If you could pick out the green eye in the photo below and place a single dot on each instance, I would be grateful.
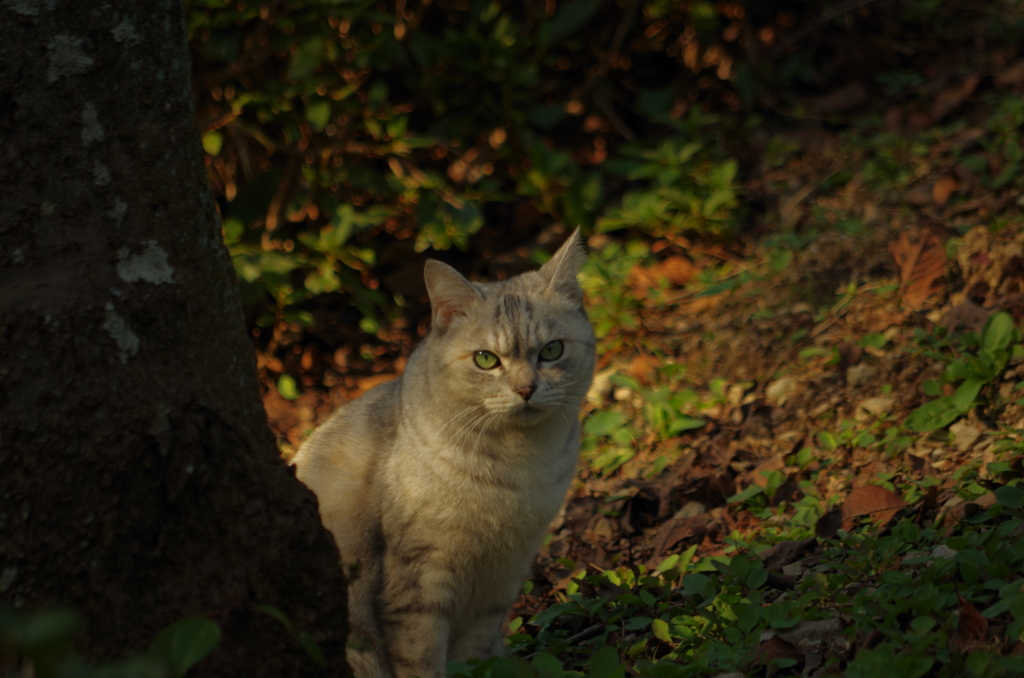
(553, 351)
(486, 360)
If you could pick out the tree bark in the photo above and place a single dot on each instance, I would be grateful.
(139, 482)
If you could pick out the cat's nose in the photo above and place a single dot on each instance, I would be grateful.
(525, 391)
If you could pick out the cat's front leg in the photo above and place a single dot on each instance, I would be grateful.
(416, 611)
(483, 637)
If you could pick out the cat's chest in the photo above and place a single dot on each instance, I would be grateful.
(497, 489)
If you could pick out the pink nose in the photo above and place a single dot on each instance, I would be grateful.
(525, 391)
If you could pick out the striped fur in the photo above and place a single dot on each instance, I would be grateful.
(438, 487)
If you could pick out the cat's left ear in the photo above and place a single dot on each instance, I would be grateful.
(450, 294)
(560, 271)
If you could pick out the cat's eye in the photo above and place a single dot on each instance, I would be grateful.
(553, 350)
(486, 360)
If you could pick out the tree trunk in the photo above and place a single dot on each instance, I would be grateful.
(139, 482)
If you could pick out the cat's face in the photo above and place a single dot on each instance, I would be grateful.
(521, 357)
(515, 353)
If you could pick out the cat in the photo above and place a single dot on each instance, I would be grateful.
(439, 486)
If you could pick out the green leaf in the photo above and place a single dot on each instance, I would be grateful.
(277, 614)
(182, 644)
(966, 393)
(922, 624)
(570, 17)
(605, 664)
(547, 666)
(943, 411)
(545, 117)
(312, 648)
(864, 439)
(684, 424)
(686, 557)
(876, 341)
(604, 423)
(827, 440)
(654, 103)
(721, 177)
(286, 387)
(721, 198)
(1011, 497)
(369, 325)
(751, 491)
(318, 114)
(212, 142)
(999, 332)
(626, 381)
(306, 59)
(660, 629)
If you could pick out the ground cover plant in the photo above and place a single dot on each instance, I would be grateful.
(803, 449)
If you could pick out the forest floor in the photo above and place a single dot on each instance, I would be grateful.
(802, 444)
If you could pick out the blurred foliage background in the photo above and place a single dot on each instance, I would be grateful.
(347, 140)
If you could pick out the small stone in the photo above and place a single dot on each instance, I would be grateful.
(781, 390)
(811, 635)
(873, 408)
(1007, 389)
(793, 569)
(599, 387)
(944, 552)
(964, 435)
(858, 375)
(691, 509)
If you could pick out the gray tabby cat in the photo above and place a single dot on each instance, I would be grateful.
(438, 487)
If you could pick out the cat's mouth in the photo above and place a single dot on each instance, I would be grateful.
(528, 410)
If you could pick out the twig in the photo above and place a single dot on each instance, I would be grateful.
(613, 117)
(837, 10)
(588, 632)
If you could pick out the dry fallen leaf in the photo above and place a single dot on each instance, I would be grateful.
(943, 188)
(676, 270)
(776, 648)
(676, 530)
(366, 383)
(921, 264)
(1012, 75)
(966, 316)
(786, 552)
(757, 475)
(644, 367)
(972, 627)
(843, 99)
(952, 97)
(878, 502)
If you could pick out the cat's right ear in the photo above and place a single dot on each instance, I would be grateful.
(450, 293)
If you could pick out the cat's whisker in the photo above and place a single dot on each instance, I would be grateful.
(483, 429)
(443, 430)
(464, 431)
(480, 423)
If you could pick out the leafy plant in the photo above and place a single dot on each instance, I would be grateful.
(973, 372)
(687, 191)
(43, 640)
